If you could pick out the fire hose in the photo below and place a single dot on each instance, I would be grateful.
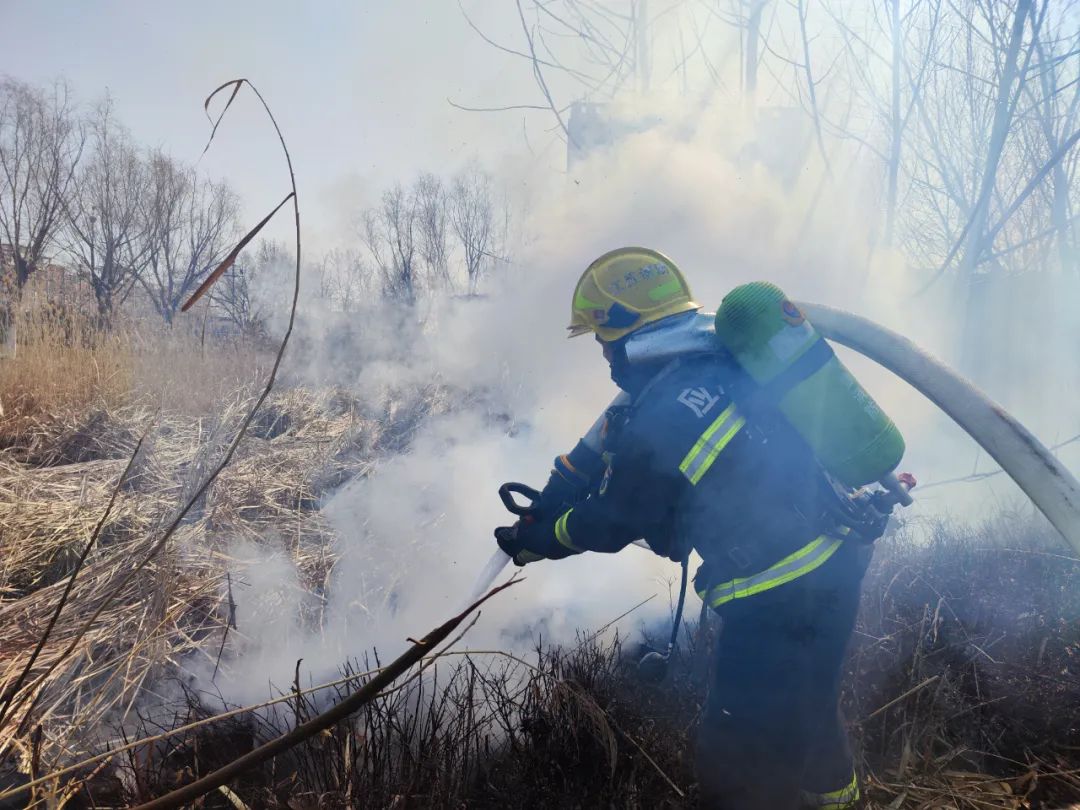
(1044, 479)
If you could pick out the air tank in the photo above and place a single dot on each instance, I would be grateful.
(798, 372)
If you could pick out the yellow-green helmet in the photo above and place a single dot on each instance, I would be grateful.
(624, 290)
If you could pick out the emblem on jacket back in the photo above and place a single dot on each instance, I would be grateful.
(699, 400)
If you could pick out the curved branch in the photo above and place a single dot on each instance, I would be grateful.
(575, 73)
(539, 74)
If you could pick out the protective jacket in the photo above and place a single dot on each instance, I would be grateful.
(682, 466)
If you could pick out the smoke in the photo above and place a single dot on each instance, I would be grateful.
(415, 533)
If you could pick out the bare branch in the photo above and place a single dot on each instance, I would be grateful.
(539, 74)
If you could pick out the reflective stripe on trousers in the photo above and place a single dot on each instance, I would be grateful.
(846, 797)
(793, 566)
(711, 443)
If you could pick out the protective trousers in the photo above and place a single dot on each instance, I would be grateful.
(772, 735)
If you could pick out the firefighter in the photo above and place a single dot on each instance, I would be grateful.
(675, 462)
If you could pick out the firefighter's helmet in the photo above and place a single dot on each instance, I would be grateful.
(626, 289)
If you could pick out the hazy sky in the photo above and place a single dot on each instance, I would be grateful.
(359, 88)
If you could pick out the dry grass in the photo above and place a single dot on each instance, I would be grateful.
(67, 369)
(170, 612)
(962, 685)
(555, 728)
(576, 727)
(46, 514)
(964, 680)
(62, 361)
(185, 372)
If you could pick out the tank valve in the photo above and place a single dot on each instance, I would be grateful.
(899, 487)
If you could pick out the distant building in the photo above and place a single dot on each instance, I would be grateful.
(50, 285)
(53, 281)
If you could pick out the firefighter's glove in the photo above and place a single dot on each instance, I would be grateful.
(530, 540)
(572, 476)
(511, 541)
(856, 511)
(561, 492)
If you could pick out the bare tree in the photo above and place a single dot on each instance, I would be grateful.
(611, 44)
(811, 83)
(105, 223)
(934, 86)
(234, 295)
(472, 216)
(191, 227)
(751, 49)
(970, 108)
(41, 142)
(390, 234)
(429, 199)
(1057, 110)
(344, 279)
(1012, 73)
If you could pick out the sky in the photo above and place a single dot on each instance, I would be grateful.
(360, 89)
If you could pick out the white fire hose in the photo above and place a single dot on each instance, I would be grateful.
(1052, 488)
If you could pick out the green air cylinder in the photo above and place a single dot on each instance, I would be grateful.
(797, 370)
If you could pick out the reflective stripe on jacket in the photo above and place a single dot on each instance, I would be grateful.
(711, 444)
(806, 559)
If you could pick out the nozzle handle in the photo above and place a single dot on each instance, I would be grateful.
(506, 495)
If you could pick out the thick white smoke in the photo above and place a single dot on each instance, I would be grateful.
(414, 534)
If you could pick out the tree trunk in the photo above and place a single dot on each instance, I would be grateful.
(642, 36)
(23, 269)
(753, 34)
(1003, 108)
(104, 307)
(1059, 207)
(972, 348)
(893, 168)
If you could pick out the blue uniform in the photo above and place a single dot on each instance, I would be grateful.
(682, 466)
